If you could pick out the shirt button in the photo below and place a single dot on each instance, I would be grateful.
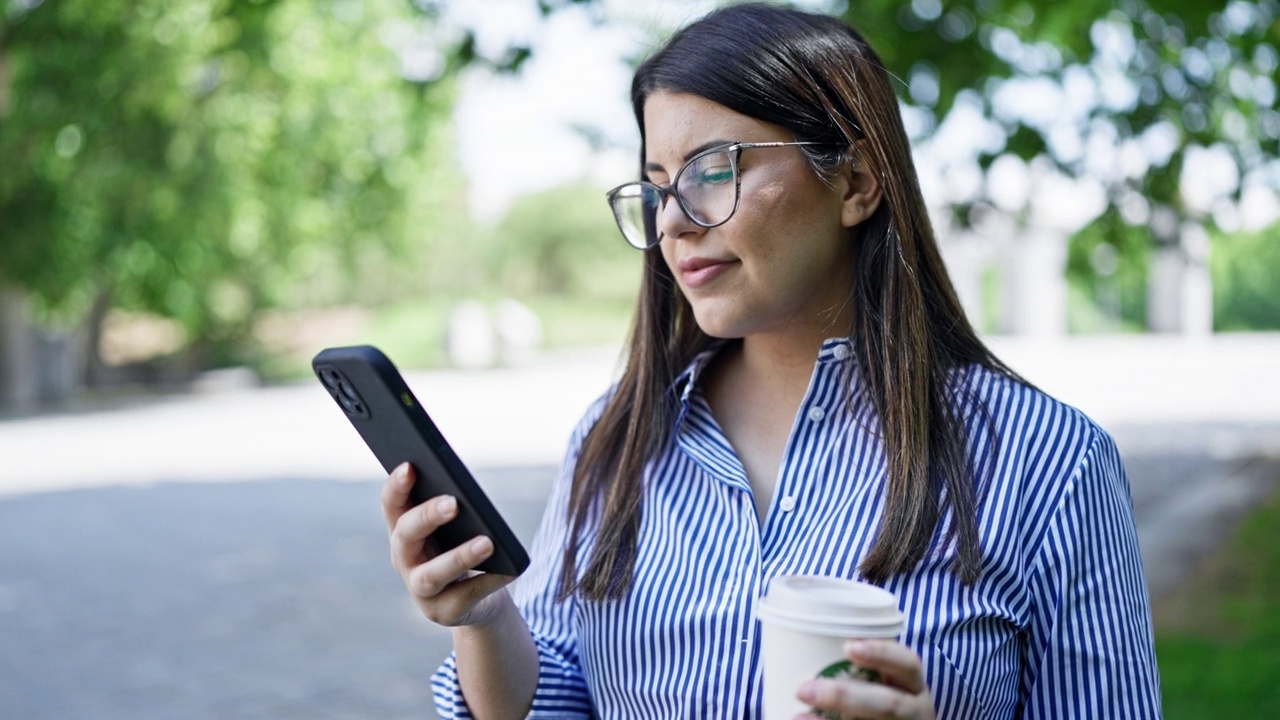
(840, 351)
(817, 414)
(788, 504)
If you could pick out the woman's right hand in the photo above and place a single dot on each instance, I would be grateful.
(444, 585)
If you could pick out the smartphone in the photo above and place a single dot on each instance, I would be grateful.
(379, 404)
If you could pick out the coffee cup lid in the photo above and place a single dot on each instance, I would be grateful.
(831, 606)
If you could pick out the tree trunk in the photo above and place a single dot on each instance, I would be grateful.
(95, 370)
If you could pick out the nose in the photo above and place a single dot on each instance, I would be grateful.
(672, 219)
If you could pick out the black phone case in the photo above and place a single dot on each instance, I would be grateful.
(375, 398)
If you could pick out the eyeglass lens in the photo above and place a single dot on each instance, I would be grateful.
(636, 208)
(706, 189)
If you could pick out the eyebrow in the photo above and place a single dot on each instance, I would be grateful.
(655, 167)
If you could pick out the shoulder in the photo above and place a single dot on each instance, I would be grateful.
(1024, 417)
(1043, 467)
(1029, 445)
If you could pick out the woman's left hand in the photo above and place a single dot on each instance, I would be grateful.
(900, 694)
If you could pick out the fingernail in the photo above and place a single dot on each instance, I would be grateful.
(481, 546)
(447, 505)
(855, 647)
(807, 693)
(402, 473)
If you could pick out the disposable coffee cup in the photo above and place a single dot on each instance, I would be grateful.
(805, 622)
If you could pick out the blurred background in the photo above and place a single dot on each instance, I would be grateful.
(196, 196)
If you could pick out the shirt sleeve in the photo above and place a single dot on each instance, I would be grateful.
(1090, 650)
(562, 689)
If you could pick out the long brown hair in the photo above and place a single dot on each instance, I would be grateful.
(817, 77)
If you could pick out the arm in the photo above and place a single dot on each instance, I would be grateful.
(1090, 651)
(497, 664)
(535, 631)
(526, 661)
(498, 661)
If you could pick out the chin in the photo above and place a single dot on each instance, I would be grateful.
(723, 326)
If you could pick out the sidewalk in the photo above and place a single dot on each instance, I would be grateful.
(1219, 395)
(511, 417)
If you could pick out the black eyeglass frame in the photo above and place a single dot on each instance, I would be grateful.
(733, 150)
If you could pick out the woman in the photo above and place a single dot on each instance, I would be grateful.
(802, 395)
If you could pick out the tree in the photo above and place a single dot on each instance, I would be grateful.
(1177, 94)
(200, 159)
(1173, 76)
(563, 241)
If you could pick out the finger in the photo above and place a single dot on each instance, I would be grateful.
(898, 664)
(395, 494)
(414, 526)
(860, 699)
(456, 604)
(432, 577)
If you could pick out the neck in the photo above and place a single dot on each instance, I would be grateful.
(783, 360)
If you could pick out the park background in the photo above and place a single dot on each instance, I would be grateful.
(198, 195)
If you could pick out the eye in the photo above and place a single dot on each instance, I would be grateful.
(712, 169)
(717, 176)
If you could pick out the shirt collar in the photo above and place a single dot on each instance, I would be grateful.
(834, 350)
(688, 380)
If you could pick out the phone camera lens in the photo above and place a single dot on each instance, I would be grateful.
(330, 377)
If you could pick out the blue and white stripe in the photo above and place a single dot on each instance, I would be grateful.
(1058, 626)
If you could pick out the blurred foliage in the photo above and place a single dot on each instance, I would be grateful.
(1165, 80)
(563, 241)
(205, 159)
(1107, 267)
(1199, 72)
(1246, 282)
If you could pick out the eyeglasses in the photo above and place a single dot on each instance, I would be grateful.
(707, 188)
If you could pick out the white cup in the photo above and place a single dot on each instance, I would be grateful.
(805, 621)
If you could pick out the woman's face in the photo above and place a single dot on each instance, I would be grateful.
(784, 260)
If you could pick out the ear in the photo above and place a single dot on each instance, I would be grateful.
(861, 190)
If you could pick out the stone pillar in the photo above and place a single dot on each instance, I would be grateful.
(19, 385)
(1162, 288)
(966, 258)
(60, 364)
(1035, 283)
(471, 340)
(1196, 307)
(1180, 286)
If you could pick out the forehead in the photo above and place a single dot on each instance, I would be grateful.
(677, 124)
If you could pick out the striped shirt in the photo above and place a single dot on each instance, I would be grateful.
(1058, 625)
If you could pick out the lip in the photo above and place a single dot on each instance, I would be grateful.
(698, 271)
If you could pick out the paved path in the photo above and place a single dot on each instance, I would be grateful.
(222, 555)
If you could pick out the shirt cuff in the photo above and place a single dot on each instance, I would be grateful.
(561, 695)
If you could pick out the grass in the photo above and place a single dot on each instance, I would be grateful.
(1218, 637)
